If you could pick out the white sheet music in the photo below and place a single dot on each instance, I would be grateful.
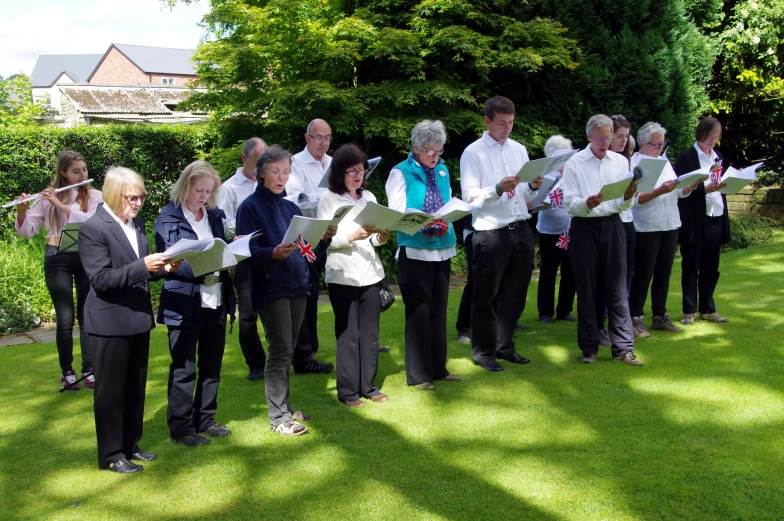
(533, 169)
(653, 166)
(210, 255)
(310, 229)
(736, 180)
(383, 218)
(692, 177)
(615, 190)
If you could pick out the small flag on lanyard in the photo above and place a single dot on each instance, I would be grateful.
(556, 198)
(563, 240)
(305, 249)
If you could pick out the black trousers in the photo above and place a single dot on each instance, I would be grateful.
(503, 262)
(601, 300)
(424, 287)
(598, 255)
(357, 314)
(187, 413)
(62, 272)
(700, 269)
(307, 340)
(464, 311)
(655, 253)
(120, 367)
(552, 258)
(250, 342)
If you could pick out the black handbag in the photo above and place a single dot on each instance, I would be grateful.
(387, 297)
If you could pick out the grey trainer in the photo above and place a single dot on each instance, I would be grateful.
(689, 319)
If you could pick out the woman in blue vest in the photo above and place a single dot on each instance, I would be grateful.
(194, 308)
(421, 182)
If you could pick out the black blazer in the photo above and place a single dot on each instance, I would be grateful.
(692, 208)
(118, 303)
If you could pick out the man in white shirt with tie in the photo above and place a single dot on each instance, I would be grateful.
(503, 248)
(230, 196)
(597, 244)
(307, 171)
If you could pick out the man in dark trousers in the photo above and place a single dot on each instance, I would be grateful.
(597, 241)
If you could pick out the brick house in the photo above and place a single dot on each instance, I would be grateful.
(124, 64)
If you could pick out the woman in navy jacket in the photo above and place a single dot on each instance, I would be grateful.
(194, 308)
(118, 317)
(280, 280)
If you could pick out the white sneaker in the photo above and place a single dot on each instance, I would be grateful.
(290, 428)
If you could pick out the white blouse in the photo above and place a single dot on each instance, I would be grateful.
(660, 214)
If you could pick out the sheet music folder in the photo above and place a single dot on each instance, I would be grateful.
(69, 239)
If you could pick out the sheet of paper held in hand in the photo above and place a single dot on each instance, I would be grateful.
(537, 203)
(383, 218)
(210, 255)
(456, 209)
(615, 190)
(653, 166)
(372, 164)
(692, 177)
(533, 169)
(312, 229)
(736, 180)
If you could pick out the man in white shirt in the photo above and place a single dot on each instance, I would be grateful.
(307, 170)
(597, 244)
(230, 196)
(503, 248)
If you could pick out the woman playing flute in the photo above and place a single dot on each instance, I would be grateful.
(63, 270)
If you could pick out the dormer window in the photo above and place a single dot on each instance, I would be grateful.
(167, 81)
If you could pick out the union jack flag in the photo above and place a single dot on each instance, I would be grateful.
(715, 173)
(305, 249)
(509, 195)
(556, 198)
(563, 240)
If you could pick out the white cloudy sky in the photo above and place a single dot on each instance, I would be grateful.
(32, 27)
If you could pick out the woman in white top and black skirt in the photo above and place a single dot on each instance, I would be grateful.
(64, 270)
(353, 274)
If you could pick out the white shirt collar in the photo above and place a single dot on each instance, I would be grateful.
(713, 155)
(129, 224)
(490, 141)
(310, 159)
(191, 217)
(241, 177)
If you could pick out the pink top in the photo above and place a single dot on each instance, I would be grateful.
(39, 214)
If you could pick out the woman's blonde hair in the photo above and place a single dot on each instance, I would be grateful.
(64, 161)
(117, 183)
(196, 170)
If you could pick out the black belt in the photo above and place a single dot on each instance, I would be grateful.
(598, 218)
(516, 224)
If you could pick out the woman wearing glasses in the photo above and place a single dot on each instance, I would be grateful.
(194, 308)
(63, 270)
(118, 316)
(706, 225)
(656, 222)
(353, 273)
(421, 182)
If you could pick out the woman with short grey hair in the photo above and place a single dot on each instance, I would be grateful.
(422, 182)
(656, 223)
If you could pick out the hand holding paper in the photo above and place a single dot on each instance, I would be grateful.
(736, 180)
(615, 190)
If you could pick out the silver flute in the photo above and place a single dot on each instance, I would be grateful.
(38, 196)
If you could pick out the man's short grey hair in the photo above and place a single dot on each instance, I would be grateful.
(271, 154)
(312, 124)
(649, 130)
(596, 122)
(251, 144)
(557, 142)
(428, 132)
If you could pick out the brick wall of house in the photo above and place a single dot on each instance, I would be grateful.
(116, 69)
(179, 80)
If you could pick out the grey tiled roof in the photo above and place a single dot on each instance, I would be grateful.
(160, 60)
(49, 67)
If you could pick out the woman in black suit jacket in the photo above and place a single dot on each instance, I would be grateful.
(705, 225)
(118, 317)
(194, 308)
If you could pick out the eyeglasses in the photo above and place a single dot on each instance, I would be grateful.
(607, 140)
(431, 153)
(713, 138)
(657, 146)
(280, 172)
(133, 199)
(355, 173)
(322, 139)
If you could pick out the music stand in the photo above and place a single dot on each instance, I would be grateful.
(69, 239)
(84, 376)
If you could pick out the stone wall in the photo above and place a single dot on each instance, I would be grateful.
(768, 202)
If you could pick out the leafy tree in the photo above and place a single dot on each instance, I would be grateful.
(16, 101)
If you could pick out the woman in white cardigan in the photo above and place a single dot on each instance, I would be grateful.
(353, 275)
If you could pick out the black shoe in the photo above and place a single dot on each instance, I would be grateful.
(489, 365)
(566, 318)
(312, 365)
(384, 349)
(547, 320)
(123, 466)
(515, 358)
(143, 456)
(192, 440)
(521, 326)
(217, 430)
(256, 373)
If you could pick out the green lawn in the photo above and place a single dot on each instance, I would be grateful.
(697, 433)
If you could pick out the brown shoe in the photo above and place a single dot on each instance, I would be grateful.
(688, 319)
(712, 317)
(379, 398)
(639, 328)
(358, 403)
(628, 358)
(665, 324)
